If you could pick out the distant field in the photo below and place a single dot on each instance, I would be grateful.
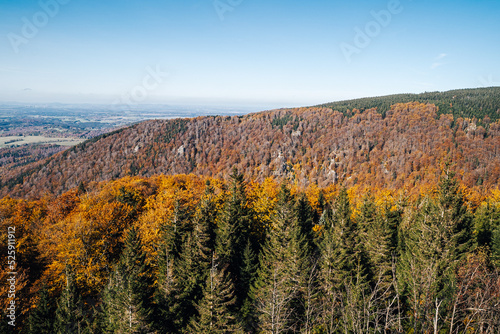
(10, 141)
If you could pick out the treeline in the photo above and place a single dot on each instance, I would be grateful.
(406, 148)
(12, 157)
(480, 103)
(186, 254)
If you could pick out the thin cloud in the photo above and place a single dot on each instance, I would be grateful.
(441, 56)
(437, 62)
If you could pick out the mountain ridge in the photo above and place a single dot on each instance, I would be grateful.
(401, 147)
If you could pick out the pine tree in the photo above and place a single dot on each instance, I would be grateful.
(215, 316)
(180, 275)
(204, 230)
(376, 236)
(69, 313)
(188, 289)
(305, 216)
(436, 235)
(127, 297)
(281, 271)
(342, 236)
(495, 245)
(233, 231)
(166, 282)
(194, 260)
(247, 277)
(487, 230)
(41, 318)
(344, 266)
(5, 328)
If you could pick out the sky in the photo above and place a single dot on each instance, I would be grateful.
(243, 52)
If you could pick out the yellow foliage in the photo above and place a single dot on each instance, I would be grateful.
(262, 198)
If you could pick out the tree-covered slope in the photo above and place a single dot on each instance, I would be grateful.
(478, 102)
(405, 146)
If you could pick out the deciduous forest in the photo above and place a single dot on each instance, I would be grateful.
(403, 145)
(192, 254)
(363, 216)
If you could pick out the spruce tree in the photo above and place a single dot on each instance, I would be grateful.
(204, 227)
(376, 237)
(233, 231)
(41, 318)
(344, 266)
(487, 230)
(343, 239)
(69, 313)
(305, 216)
(495, 245)
(215, 315)
(127, 297)
(436, 235)
(188, 289)
(281, 272)
(247, 277)
(166, 282)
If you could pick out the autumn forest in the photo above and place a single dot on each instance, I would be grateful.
(368, 216)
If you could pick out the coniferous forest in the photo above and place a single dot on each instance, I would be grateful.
(194, 254)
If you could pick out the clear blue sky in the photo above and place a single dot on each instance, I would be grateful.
(262, 52)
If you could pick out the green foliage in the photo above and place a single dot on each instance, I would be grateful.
(233, 232)
(417, 266)
(127, 297)
(283, 264)
(69, 313)
(41, 319)
(279, 122)
(344, 268)
(479, 102)
(487, 230)
(436, 237)
(215, 308)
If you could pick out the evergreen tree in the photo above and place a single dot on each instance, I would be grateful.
(436, 236)
(281, 272)
(233, 231)
(305, 216)
(247, 277)
(194, 261)
(487, 230)
(376, 236)
(495, 244)
(81, 188)
(204, 227)
(5, 328)
(41, 318)
(69, 313)
(344, 266)
(166, 281)
(188, 289)
(343, 238)
(127, 297)
(214, 308)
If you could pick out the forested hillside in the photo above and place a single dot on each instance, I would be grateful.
(406, 146)
(190, 254)
(466, 103)
(321, 220)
